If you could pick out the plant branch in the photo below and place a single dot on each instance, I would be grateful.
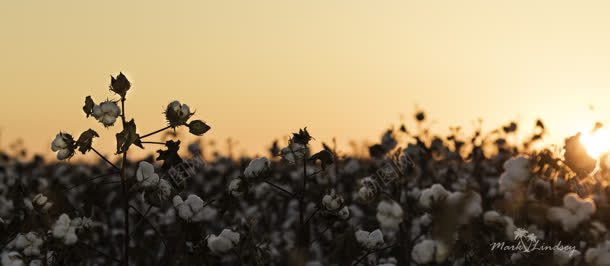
(100, 252)
(153, 142)
(89, 180)
(281, 189)
(105, 159)
(371, 252)
(155, 132)
(151, 225)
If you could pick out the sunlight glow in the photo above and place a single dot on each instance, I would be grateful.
(596, 142)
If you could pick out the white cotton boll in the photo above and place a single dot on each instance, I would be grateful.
(58, 143)
(257, 167)
(229, 234)
(389, 214)
(332, 201)
(63, 154)
(429, 250)
(492, 217)
(516, 174)
(165, 188)
(206, 213)
(36, 263)
(366, 193)
(39, 199)
(146, 176)
(195, 202)
(223, 242)
(599, 255)
(70, 237)
(61, 226)
(431, 195)
(294, 152)
(370, 240)
(471, 203)
(234, 188)
(343, 213)
(423, 252)
(564, 257)
(575, 210)
(12, 259)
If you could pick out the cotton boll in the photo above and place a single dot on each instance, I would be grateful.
(235, 188)
(389, 214)
(257, 167)
(434, 194)
(370, 240)
(599, 255)
(223, 242)
(294, 152)
(493, 218)
(516, 174)
(575, 210)
(63, 229)
(423, 252)
(12, 258)
(146, 176)
(332, 201)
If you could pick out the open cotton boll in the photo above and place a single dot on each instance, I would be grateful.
(370, 240)
(493, 218)
(63, 229)
(294, 152)
(575, 210)
(12, 258)
(516, 174)
(224, 242)
(257, 167)
(434, 194)
(332, 201)
(146, 176)
(471, 203)
(428, 251)
(389, 214)
(106, 113)
(599, 255)
(193, 209)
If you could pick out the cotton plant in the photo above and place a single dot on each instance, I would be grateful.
(224, 242)
(109, 113)
(193, 209)
(575, 211)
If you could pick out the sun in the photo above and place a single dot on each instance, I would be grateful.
(596, 142)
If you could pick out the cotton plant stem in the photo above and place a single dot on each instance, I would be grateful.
(125, 195)
(90, 179)
(292, 195)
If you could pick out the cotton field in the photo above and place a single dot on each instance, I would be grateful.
(416, 198)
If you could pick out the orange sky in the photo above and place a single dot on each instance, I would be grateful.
(257, 70)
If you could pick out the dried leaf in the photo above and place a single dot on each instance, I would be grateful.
(88, 107)
(127, 137)
(85, 140)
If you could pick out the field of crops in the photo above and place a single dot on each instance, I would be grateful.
(416, 198)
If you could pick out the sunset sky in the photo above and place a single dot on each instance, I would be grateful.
(258, 70)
